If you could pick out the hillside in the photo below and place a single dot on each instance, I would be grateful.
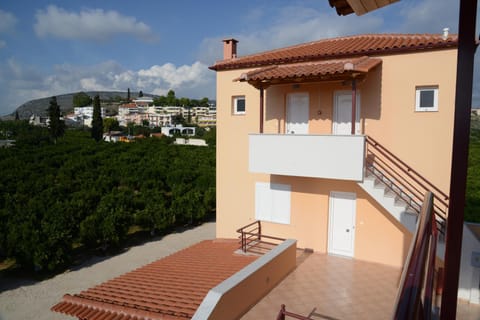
(40, 106)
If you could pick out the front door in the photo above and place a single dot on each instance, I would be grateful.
(342, 113)
(297, 113)
(341, 223)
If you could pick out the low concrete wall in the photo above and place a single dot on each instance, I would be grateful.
(235, 296)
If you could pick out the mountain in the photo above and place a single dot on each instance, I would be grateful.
(65, 101)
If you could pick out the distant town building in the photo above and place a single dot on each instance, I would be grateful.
(178, 130)
(37, 120)
(113, 136)
(84, 115)
(7, 143)
(143, 101)
(139, 111)
(191, 142)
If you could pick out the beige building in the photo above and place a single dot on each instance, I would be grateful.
(290, 153)
(331, 144)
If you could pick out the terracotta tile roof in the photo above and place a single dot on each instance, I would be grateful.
(311, 70)
(169, 288)
(342, 47)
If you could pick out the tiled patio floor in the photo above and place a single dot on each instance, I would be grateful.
(329, 287)
(468, 311)
(334, 288)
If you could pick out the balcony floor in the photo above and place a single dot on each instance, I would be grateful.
(330, 287)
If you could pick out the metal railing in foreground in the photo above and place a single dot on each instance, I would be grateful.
(283, 312)
(415, 295)
(252, 240)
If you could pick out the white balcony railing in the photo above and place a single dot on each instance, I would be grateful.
(320, 156)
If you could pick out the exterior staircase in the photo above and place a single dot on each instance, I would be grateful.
(380, 188)
(400, 190)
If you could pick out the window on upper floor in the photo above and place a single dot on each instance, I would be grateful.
(426, 98)
(238, 105)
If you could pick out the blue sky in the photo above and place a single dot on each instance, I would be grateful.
(54, 47)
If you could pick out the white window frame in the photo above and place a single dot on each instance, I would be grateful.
(235, 106)
(272, 202)
(418, 91)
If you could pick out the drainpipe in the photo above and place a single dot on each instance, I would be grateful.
(354, 105)
(461, 136)
(261, 109)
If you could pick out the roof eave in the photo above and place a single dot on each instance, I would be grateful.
(234, 65)
(328, 77)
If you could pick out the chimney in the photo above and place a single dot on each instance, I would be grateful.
(229, 49)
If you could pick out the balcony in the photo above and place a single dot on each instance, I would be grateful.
(320, 156)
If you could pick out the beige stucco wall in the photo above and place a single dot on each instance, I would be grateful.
(422, 140)
(234, 196)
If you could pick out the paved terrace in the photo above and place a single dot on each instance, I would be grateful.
(334, 288)
(330, 287)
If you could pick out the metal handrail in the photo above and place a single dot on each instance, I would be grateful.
(248, 225)
(415, 295)
(254, 234)
(411, 185)
(283, 312)
(377, 145)
(406, 197)
(244, 240)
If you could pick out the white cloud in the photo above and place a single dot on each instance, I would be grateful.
(7, 21)
(291, 25)
(175, 77)
(89, 24)
(430, 16)
(20, 83)
(91, 84)
(7, 24)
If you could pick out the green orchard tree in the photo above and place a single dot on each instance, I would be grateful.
(56, 126)
(110, 124)
(97, 122)
(81, 99)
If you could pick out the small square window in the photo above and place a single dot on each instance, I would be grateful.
(426, 99)
(239, 105)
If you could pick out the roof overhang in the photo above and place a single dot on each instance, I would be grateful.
(330, 70)
(360, 7)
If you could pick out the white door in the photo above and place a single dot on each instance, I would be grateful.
(342, 113)
(297, 113)
(341, 223)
